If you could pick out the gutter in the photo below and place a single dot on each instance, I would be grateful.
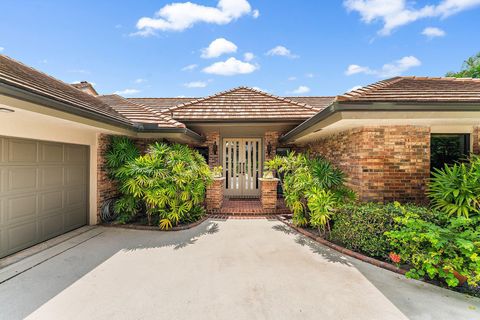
(23, 94)
(26, 95)
(378, 106)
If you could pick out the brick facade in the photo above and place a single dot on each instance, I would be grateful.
(476, 140)
(106, 188)
(382, 163)
(211, 138)
(214, 196)
(268, 193)
(272, 138)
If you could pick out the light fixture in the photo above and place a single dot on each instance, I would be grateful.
(215, 147)
(269, 148)
(6, 110)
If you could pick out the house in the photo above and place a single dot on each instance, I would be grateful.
(386, 137)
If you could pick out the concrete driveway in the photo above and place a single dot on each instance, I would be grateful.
(233, 269)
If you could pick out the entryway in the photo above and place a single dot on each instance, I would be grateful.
(242, 166)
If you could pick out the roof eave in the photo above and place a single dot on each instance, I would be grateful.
(154, 128)
(24, 94)
(341, 106)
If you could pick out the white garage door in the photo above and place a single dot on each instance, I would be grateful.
(43, 191)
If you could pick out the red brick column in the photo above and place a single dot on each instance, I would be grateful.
(268, 193)
(212, 138)
(270, 137)
(215, 195)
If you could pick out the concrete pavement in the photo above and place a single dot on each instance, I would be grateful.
(233, 269)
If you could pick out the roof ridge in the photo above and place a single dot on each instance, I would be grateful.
(281, 98)
(353, 94)
(61, 81)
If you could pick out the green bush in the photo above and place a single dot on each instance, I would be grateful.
(312, 187)
(169, 182)
(439, 247)
(455, 189)
(361, 227)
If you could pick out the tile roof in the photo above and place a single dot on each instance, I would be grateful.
(139, 113)
(161, 103)
(319, 103)
(17, 74)
(416, 89)
(241, 104)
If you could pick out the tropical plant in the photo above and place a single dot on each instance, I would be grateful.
(470, 68)
(361, 226)
(217, 172)
(120, 150)
(312, 187)
(170, 180)
(446, 247)
(455, 189)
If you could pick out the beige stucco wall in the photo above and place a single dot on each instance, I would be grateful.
(51, 126)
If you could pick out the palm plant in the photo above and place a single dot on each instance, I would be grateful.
(170, 180)
(120, 151)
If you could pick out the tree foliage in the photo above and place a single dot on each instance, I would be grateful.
(470, 68)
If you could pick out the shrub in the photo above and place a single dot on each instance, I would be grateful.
(312, 187)
(455, 189)
(440, 247)
(169, 180)
(120, 151)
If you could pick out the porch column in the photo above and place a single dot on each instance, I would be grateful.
(476, 140)
(270, 144)
(215, 195)
(213, 142)
(269, 193)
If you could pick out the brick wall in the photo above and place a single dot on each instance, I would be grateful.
(106, 188)
(268, 195)
(214, 196)
(272, 138)
(382, 163)
(210, 139)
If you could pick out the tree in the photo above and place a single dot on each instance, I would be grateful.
(470, 68)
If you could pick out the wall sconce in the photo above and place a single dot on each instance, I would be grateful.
(269, 148)
(215, 147)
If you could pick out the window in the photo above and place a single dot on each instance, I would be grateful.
(448, 149)
(203, 152)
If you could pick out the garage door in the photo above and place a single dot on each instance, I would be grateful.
(43, 191)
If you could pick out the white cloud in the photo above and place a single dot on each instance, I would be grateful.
(126, 92)
(388, 70)
(354, 88)
(300, 90)
(281, 51)
(396, 13)
(190, 67)
(259, 89)
(218, 47)
(82, 71)
(1, 49)
(140, 80)
(179, 16)
(195, 84)
(248, 56)
(256, 13)
(309, 75)
(230, 67)
(292, 78)
(432, 32)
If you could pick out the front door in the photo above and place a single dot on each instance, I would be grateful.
(242, 166)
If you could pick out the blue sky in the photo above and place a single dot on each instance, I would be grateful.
(286, 47)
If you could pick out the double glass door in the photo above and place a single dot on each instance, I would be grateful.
(242, 166)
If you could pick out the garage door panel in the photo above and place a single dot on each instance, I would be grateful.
(75, 175)
(75, 154)
(21, 178)
(74, 218)
(50, 202)
(51, 176)
(43, 191)
(52, 226)
(22, 236)
(51, 152)
(22, 151)
(20, 208)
